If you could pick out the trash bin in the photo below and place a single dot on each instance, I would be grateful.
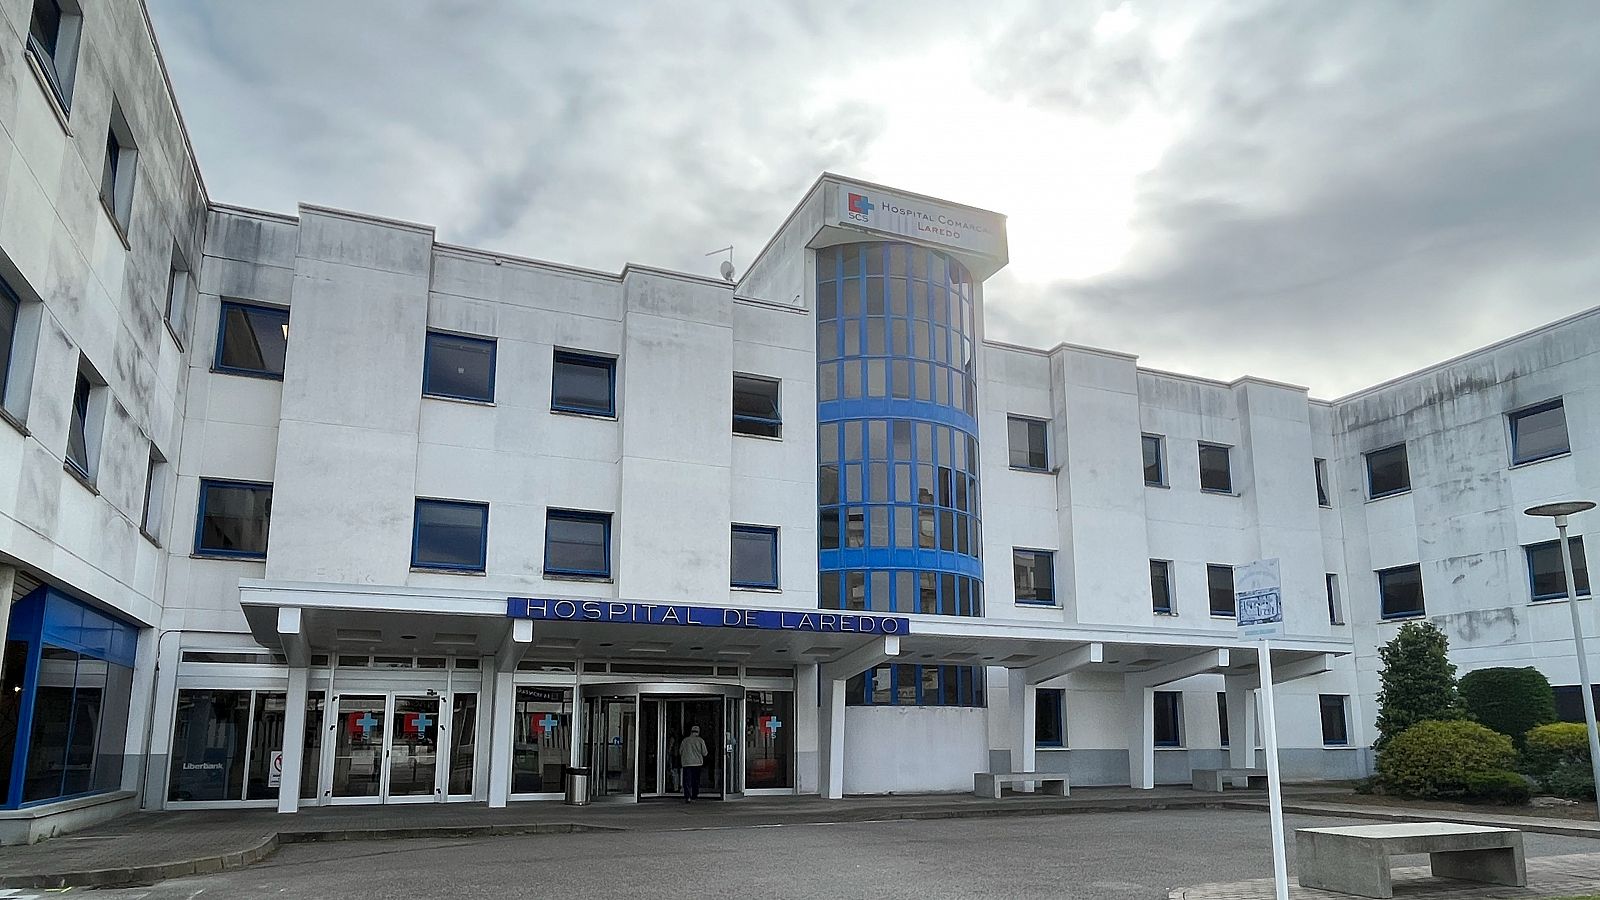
(577, 785)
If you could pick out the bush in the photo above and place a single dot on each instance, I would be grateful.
(1510, 701)
(1504, 788)
(1435, 759)
(1417, 682)
(1557, 756)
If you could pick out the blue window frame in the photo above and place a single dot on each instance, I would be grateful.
(1547, 579)
(577, 543)
(1155, 461)
(1034, 574)
(1539, 432)
(450, 534)
(909, 684)
(1222, 718)
(1219, 591)
(458, 367)
(1049, 718)
(251, 340)
(755, 556)
(1388, 472)
(1216, 468)
(1161, 587)
(10, 304)
(584, 384)
(1168, 718)
(78, 455)
(1400, 592)
(233, 519)
(1335, 719)
(1029, 444)
(755, 407)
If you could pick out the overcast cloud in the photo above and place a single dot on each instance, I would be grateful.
(1326, 193)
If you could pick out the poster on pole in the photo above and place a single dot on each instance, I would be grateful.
(1258, 599)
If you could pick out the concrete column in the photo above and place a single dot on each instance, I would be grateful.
(1240, 691)
(806, 758)
(294, 739)
(831, 739)
(1140, 706)
(1020, 696)
(500, 737)
(158, 762)
(485, 725)
(8, 584)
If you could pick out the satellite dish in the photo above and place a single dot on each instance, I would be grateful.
(727, 270)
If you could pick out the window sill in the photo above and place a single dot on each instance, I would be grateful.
(1158, 484)
(173, 333)
(247, 373)
(58, 104)
(155, 541)
(14, 422)
(1224, 618)
(571, 576)
(1037, 604)
(1404, 617)
(1038, 746)
(1216, 493)
(1562, 598)
(81, 477)
(435, 570)
(1539, 459)
(1164, 613)
(1401, 493)
(1160, 747)
(1032, 470)
(229, 557)
(777, 439)
(116, 224)
(757, 588)
(467, 401)
(1327, 506)
(583, 414)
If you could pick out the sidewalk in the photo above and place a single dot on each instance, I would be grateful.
(1548, 876)
(148, 847)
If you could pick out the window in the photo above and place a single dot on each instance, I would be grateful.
(1155, 464)
(461, 368)
(1216, 473)
(755, 407)
(1335, 722)
(1035, 572)
(1049, 719)
(1169, 718)
(233, 519)
(1219, 584)
(53, 32)
(1321, 468)
(180, 303)
(755, 556)
(118, 170)
(252, 340)
(584, 384)
(1222, 718)
(155, 496)
(1538, 432)
(1387, 472)
(10, 307)
(577, 543)
(1545, 574)
(1400, 592)
(910, 684)
(1161, 587)
(1335, 608)
(1027, 444)
(451, 535)
(1569, 701)
(83, 430)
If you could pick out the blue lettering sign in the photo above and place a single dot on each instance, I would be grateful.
(703, 616)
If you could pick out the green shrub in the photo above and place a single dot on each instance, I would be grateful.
(1504, 788)
(1417, 682)
(1436, 759)
(1510, 701)
(1557, 756)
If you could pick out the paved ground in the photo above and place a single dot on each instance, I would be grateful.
(1093, 856)
(1548, 877)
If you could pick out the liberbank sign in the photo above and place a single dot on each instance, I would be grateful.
(972, 230)
(619, 612)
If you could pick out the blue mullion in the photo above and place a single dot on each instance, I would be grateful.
(30, 688)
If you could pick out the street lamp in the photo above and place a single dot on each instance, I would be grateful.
(1559, 512)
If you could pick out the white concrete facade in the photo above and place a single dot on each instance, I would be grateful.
(348, 442)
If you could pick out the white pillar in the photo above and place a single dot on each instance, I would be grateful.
(294, 739)
(8, 582)
(1241, 721)
(500, 737)
(831, 738)
(1140, 706)
(806, 755)
(1020, 696)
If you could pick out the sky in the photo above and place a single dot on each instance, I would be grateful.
(1325, 193)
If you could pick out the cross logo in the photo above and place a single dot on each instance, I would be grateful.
(771, 724)
(417, 723)
(860, 205)
(367, 722)
(544, 726)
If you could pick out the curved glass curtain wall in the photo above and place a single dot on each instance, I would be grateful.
(897, 474)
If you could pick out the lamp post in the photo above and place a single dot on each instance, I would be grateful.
(1560, 512)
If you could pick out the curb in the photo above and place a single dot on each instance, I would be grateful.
(125, 876)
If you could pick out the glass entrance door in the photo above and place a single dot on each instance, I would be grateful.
(386, 749)
(413, 751)
(358, 747)
(612, 736)
(667, 721)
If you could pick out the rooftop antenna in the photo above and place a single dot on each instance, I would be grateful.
(727, 265)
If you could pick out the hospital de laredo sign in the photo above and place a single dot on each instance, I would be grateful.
(879, 210)
(704, 616)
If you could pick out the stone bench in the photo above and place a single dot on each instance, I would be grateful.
(1355, 859)
(1216, 780)
(988, 784)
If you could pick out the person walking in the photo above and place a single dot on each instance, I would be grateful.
(692, 756)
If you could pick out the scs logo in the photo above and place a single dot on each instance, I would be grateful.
(860, 207)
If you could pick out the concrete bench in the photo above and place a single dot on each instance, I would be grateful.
(1216, 779)
(1355, 859)
(988, 784)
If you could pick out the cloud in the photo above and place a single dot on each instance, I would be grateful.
(1330, 194)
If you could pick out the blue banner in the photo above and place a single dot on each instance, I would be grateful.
(833, 622)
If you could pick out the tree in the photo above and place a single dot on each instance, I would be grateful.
(1510, 701)
(1417, 683)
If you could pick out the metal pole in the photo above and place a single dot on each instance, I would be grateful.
(1585, 687)
(1280, 863)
